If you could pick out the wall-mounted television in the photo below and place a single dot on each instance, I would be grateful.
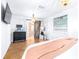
(2, 12)
(6, 14)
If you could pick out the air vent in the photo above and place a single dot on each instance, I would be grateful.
(28, 19)
(40, 6)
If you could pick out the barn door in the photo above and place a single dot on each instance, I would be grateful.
(37, 25)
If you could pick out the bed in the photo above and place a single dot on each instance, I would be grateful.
(52, 49)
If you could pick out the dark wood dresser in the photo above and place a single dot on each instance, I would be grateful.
(19, 36)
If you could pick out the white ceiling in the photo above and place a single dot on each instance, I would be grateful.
(41, 8)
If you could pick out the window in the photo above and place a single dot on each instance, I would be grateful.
(60, 23)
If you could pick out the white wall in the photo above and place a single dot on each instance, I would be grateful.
(5, 35)
(73, 21)
(5, 39)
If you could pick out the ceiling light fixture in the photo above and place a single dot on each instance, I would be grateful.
(64, 2)
(33, 18)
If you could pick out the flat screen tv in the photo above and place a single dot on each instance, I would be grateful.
(19, 26)
(2, 12)
(6, 14)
